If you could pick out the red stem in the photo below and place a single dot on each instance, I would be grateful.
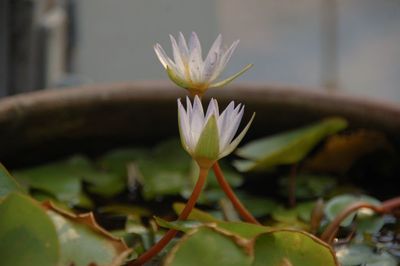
(244, 213)
(154, 250)
(386, 207)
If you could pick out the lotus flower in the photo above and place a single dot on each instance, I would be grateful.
(188, 69)
(209, 137)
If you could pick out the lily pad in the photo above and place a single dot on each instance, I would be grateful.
(288, 147)
(206, 246)
(309, 186)
(7, 182)
(210, 245)
(27, 234)
(83, 242)
(60, 179)
(292, 248)
(337, 204)
(360, 254)
(242, 229)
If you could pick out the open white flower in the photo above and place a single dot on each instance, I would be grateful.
(188, 69)
(208, 138)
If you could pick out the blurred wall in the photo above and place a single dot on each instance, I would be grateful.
(117, 37)
(353, 45)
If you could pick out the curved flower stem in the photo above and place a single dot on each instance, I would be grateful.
(386, 207)
(154, 250)
(246, 215)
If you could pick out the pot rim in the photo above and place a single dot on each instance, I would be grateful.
(367, 109)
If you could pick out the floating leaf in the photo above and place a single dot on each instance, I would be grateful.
(7, 182)
(207, 246)
(309, 186)
(83, 242)
(105, 184)
(360, 254)
(288, 147)
(242, 229)
(337, 204)
(183, 226)
(195, 214)
(210, 245)
(341, 151)
(116, 161)
(370, 225)
(160, 179)
(27, 235)
(292, 248)
(61, 179)
(256, 205)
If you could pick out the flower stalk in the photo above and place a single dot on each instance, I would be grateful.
(243, 212)
(154, 250)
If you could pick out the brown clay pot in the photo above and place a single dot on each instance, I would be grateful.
(45, 125)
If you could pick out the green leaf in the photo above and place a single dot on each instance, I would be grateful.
(27, 234)
(288, 247)
(337, 204)
(159, 179)
(258, 206)
(288, 147)
(360, 254)
(116, 161)
(206, 246)
(105, 184)
(7, 183)
(60, 179)
(195, 214)
(83, 242)
(309, 186)
(211, 245)
(242, 229)
(370, 225)
(183, 226)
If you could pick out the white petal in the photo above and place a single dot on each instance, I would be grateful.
(224, 60)
(212, 59)
(167, 62)
(194, 44)
(212, 110)
(195, 59)
(197, 119)
(237, 140)
(162, 56)
(232, 128)
(189, 110)
(177, 54)
(227, 55)
(223, 122)
(183, 47)
(184, 128)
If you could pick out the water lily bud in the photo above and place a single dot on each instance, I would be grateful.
(209, 137)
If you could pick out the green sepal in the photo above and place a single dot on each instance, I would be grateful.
(227, 80)
(207, 148)
(177, 80)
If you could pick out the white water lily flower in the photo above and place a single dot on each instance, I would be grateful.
(209, 137)
(188, 69)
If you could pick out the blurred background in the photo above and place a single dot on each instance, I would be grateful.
(345, 45)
